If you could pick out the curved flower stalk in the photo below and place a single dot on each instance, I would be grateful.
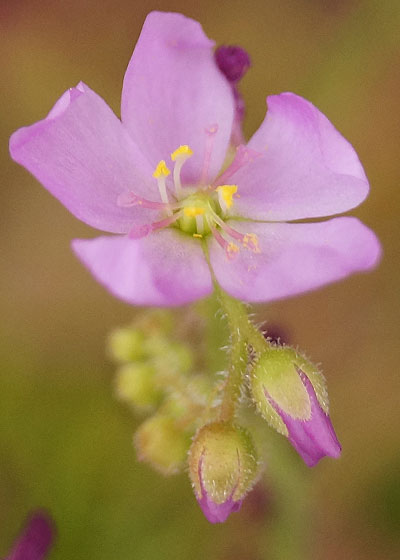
(157, 180)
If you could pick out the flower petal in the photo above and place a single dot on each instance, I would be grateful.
(294, 258)
(81, 153)
(218, 513)
(306, 168)
(166, 268)
(173, 91)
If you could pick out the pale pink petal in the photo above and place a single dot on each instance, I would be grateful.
(81, 153)
(166, 268)
(306, 168)
(173, 91)
(294, 258)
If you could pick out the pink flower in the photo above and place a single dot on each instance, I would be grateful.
(177, 105)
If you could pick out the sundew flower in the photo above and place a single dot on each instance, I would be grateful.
(158, 179)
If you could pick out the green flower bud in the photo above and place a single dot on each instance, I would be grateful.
(161, 443)
(291, 395)
(276, 374)
(136, 385)
(170, 355)
(223, 468)
(127, 344)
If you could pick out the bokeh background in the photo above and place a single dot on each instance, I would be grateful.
(65, 442)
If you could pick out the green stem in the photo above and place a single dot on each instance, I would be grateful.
(243, 334)
(240, 323)
(237, 367)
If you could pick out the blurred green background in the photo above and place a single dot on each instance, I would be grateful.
(65, 442)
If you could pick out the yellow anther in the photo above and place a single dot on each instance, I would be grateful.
(231, 250)
(198, 235)
(250, 241)
(193, 211)
(181, 151)
(226, 192)
(161, 170)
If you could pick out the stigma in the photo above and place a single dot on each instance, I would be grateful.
(200, 211)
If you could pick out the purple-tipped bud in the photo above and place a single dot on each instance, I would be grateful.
(233, 61)
(290, 393)
(36, 540)
(223, 468)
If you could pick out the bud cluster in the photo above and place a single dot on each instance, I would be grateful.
(152, 377)
(193, 420)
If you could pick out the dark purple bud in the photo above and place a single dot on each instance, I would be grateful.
(233, 62)
(35, 541)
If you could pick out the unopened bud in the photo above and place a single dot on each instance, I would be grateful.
(170, 355)
(233, 61)
(136, 385)
(290, 393)
(126, 344)
(162, 444)
(223, 468)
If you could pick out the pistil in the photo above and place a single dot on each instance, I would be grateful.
(210, 132)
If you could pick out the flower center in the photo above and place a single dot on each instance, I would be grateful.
(199, 213)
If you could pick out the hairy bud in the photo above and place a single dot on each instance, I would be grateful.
(223, 468)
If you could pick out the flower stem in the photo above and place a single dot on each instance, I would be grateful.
(240, 322)
(232, 386)
(243, 335)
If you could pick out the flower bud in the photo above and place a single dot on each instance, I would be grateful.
(136, 385)
(223, 468)
(161, 443)
(126, 344)
(171, 355)
(233, 61)
(290, 393)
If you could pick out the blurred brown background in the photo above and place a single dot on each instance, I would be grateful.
(65, 443)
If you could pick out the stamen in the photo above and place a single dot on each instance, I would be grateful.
(128, 199)
(225, 196)
(210, 132)
(248, 240)
(160, 173)
(231, 249)
(243, 156)
(179, 156)
(138, 232)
